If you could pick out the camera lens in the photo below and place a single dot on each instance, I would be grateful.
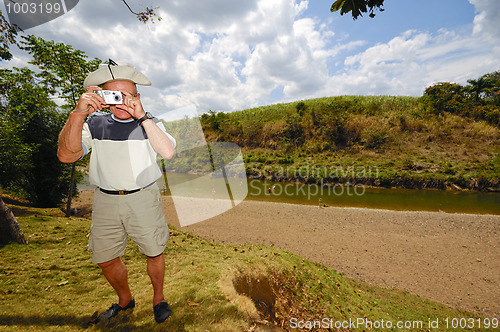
(117, 98)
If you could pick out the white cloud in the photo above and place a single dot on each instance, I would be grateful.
(409, 63)
(252, 55)
(229, 55)
(207, 16)
(486, 22)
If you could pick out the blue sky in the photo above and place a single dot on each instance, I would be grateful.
(399, 16)
(228, 55)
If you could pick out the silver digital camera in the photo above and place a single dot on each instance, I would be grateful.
(111, 97)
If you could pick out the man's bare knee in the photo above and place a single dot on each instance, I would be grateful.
(109, 263)
(154, 258)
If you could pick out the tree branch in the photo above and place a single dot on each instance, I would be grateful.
(126, 4)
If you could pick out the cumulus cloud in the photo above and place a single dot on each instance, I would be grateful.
(248, 56)
(486, 21)
(228, 55)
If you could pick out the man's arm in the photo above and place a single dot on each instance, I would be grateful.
(161, 143)
(70, 139)
(159, 140)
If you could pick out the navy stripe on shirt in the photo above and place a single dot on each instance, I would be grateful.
(103, 127)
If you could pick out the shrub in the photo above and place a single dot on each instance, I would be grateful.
(294, 131)
(300, 107)
(376, 140)
(489, 113)
(446, 97)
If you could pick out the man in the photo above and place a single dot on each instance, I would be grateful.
(123, 146)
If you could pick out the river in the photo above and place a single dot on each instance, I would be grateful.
(340, 195)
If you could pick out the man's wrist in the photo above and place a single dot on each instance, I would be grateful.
(146, 120)
(146, 116)
(138, 117)
(82, 112)
(78, 115)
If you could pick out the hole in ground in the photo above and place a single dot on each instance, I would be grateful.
(261, 296)
(261, 291)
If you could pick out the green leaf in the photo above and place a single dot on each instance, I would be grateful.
(337, 5)
(62, 283)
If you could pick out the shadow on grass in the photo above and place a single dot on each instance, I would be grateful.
(21, 211)
(121, 323)
(21, 320)
(16, 201)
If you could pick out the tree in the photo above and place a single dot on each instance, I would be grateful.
(63, 71)
(7, 38)
(9, 228)
(446, 97)
(479, 101)
(486, 94)
(356, 7)
(24, 154)
(13, 157)
(492, 92)
(477, 87)
(9, 31)
(29, 132)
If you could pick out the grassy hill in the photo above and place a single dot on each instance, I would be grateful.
(400, 139)
(50, 284)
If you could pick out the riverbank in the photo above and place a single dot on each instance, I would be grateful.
(451, 258)
(383, 176)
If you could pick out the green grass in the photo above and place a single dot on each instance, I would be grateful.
(50, 284)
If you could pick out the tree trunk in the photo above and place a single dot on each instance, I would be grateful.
(9, 228)
(70, 190)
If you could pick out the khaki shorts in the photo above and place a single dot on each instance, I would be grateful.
(138, 215)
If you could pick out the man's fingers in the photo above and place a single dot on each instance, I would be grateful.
(96, 100)
(91, 93)
(93, 107)
(93, 88)
(128, 94)
(90, 103)
(99, 98)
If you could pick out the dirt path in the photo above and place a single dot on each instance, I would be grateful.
(450, 258)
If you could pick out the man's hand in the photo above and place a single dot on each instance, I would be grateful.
(133, 105)
(90, 102)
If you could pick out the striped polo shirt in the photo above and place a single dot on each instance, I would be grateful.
(122, 157)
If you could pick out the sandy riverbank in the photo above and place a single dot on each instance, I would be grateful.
(450, 258)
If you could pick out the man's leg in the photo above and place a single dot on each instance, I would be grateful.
(156, 271)
(116, 273)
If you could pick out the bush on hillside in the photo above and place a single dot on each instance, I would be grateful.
(446, 97)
